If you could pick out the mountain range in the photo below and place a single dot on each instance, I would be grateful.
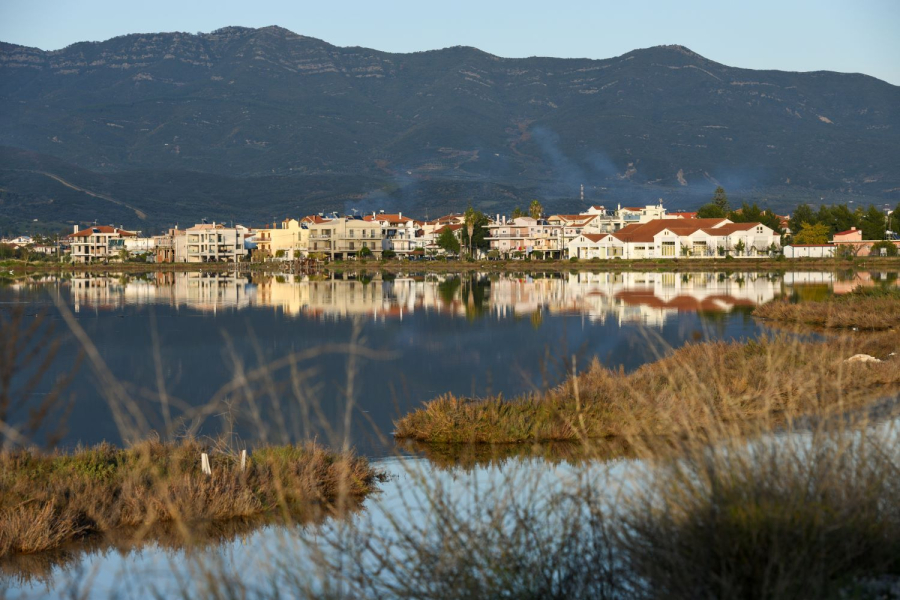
(147, 130)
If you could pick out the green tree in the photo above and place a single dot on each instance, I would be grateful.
(812, 234)
(535, 210)
(838, 217)
(388, 254)
(873, 224)
(802, 214)
(364, 252)
(517, 212)
(747, 213)
(475, 232)
(883, 247)
(771, 220)
(740, 247)
(710, 211)
(448, 241)
(720, 199)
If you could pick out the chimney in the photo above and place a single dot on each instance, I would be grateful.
(75, 228)
(399, 215)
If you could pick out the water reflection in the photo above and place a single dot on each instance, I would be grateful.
(645, 298)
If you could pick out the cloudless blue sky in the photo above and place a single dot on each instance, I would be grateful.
(796, 35)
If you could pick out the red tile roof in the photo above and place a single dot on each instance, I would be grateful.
(595, 237)
(102, 229)
(644, 232)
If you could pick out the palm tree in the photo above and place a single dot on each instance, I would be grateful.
(470, 219)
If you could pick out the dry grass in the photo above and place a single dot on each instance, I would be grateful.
(698, 387)
(468, 457)
(49, 499)
(799, 516)
(865, 308)
(805, 515)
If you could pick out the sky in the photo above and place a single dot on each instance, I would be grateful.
(859, 36)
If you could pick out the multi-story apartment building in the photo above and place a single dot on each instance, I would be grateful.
(344, 237)
(400, 234)
(98, 243)
(509, 236)
(171, 244)
(610, 221)
(287, 241)
(213, 242)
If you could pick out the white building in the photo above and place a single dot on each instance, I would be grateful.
(213, 242)
(98, 243)
(678, 238)
(809, 251)
(399, 234)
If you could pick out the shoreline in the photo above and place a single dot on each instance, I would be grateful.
(500, 266)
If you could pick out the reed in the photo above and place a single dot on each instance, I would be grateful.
(51, 498)
(697, 387)
(875, 308)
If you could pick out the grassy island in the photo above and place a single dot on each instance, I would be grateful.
(49, 499)
(875, 308)
(697, 387)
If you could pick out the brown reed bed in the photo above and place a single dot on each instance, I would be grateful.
(49, 499)
(697, 387)
(876, 308)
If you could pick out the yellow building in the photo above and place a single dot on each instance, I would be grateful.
(344, 238)
(287, 241)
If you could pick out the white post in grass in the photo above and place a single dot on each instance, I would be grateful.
(243, 460)
(204, 464)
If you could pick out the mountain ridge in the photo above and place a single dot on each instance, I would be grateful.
(259, 103)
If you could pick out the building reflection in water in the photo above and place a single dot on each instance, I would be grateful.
(625, 297)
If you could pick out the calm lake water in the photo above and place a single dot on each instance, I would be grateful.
(284, 357)
(275, 358)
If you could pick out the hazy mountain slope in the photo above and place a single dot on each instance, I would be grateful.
(335, 125)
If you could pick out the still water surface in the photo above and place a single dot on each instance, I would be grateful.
(279, 358)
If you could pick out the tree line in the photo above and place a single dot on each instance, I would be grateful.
(808, 226)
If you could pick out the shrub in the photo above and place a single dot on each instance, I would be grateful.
(883, 248)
